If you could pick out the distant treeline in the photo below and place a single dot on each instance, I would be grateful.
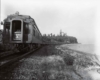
(60, 38)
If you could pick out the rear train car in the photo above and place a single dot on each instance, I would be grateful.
(21, 30)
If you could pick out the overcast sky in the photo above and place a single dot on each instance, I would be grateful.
(79, 18)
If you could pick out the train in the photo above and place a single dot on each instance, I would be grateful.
(21, 31)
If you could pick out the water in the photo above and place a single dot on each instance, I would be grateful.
(88, 48)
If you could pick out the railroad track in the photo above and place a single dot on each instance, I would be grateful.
(8, 60)
(5, 54)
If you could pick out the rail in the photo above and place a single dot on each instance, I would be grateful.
(4, 63)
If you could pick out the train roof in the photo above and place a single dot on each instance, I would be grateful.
(23, 17)
(19, 16)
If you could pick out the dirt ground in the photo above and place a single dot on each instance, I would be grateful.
(54, 63)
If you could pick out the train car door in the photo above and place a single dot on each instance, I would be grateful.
(17, 31)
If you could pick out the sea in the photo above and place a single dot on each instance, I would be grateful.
(87, 48)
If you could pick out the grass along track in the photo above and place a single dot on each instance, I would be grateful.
(50, 63)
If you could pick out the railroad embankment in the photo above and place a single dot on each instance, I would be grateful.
(53, 63)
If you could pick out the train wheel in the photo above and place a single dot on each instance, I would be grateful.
(30, 46)
(20, 47)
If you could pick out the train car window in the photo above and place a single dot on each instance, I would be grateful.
(27, 31)
(16, 26)
(7, 27)
(33, 32)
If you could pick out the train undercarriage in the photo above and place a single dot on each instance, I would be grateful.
(20, 47)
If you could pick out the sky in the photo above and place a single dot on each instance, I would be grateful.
(78, 18)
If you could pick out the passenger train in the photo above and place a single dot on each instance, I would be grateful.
(21, 31)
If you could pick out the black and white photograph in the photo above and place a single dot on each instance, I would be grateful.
(49, 39)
